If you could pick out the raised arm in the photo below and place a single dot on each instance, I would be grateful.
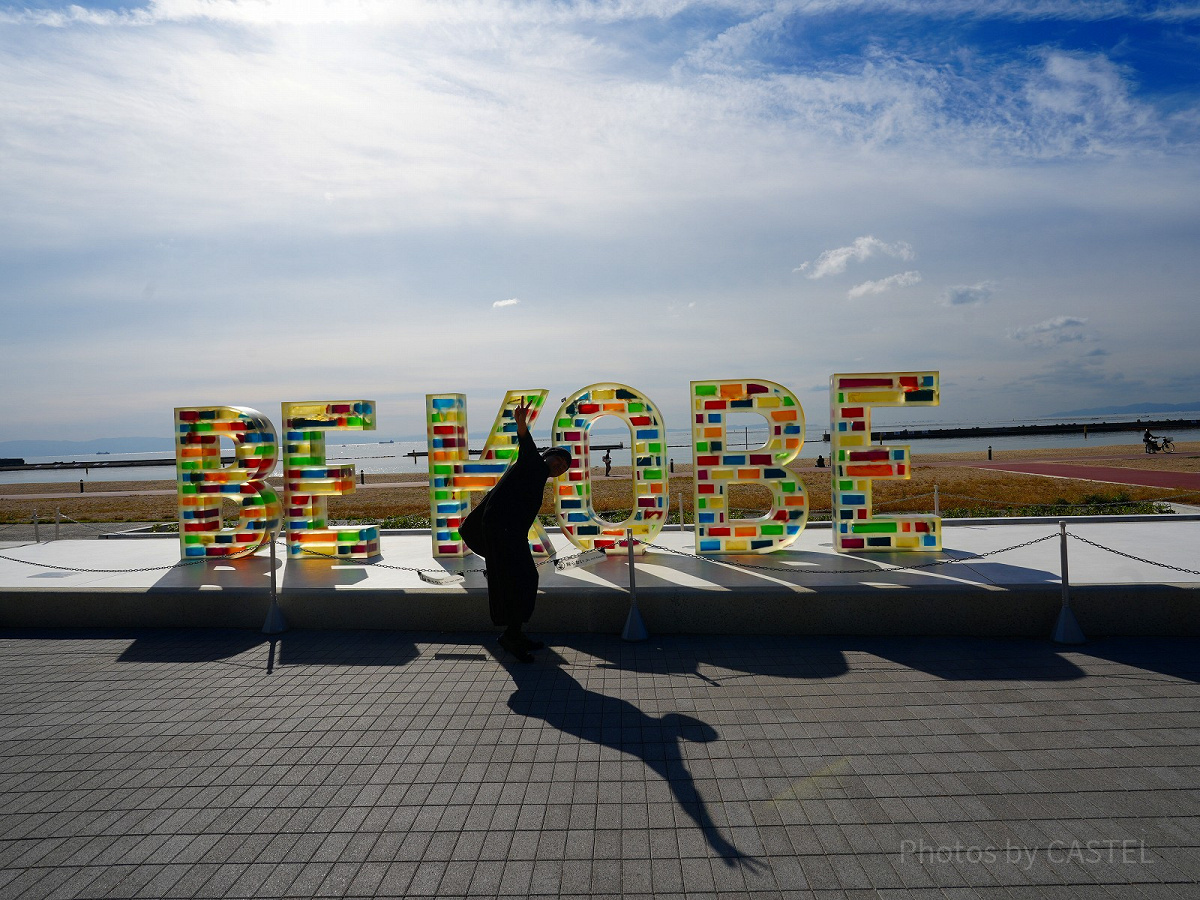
(521, 415)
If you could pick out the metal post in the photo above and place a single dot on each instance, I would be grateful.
(36, 534)
(275, 622)
(937, 506)
(1067, 631)
(57, 520)
(635, 628)
(989, 451)
(1062, 563)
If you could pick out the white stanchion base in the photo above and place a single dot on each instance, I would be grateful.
(1067, 631)
(275, 622)
(635, 628)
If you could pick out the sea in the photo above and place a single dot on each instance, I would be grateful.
(392, 457)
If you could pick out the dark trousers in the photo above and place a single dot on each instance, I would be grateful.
(512, 575)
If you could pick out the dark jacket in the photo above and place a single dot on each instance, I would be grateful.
(513, 504)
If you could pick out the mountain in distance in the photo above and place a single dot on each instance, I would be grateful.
(1130, 410)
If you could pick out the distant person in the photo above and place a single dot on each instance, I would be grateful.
(1150, 441)
(820, 461)
(498, 529)
(607, 462)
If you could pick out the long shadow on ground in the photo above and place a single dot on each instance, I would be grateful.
(715, 660)
(973, 659)
(545, 691)
(708, 659)
(292, 648)
(1176, 657)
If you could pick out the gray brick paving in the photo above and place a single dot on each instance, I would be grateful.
(204, 764)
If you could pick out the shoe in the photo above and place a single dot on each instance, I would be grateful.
(516, 647)
(529, 643)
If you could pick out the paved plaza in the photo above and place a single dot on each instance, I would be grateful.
(221, 763)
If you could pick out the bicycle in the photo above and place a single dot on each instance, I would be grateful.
(1160, 445)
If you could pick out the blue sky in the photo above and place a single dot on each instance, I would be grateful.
(244, 202)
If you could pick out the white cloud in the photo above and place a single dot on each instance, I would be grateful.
(903, 279)
(383, 122)
(1058, 330)
(834, 262)
(294, 12)
(239, 154)
(968, 294)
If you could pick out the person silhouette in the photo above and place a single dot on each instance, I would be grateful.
(498, 530)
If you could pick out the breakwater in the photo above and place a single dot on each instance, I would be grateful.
(982, 431)
(97, 464)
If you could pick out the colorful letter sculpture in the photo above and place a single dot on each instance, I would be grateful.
(310, 481)
(452, 473)
(202, 482)
(855, 463)
(717, 467)
(572, 427)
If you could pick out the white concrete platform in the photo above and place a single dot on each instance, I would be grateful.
(806, 589)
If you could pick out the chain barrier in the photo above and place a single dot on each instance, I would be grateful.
(872, 571)
(382, 565)
(1148, 562)
(585, 556)
(1001, 504)
(101, 527)
(178, 565)
(560, 563)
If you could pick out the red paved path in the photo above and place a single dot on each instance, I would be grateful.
(1111, 474)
